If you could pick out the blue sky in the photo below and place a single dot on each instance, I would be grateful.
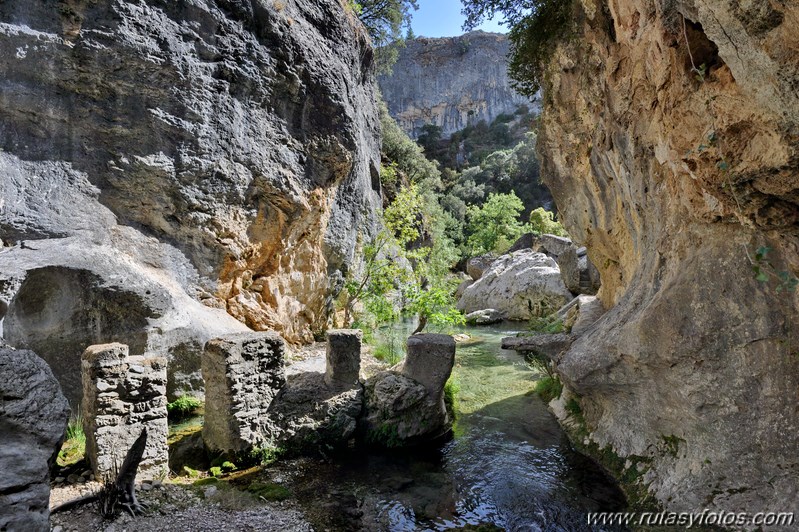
(442, 18)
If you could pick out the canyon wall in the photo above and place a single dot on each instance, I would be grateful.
(167, 165)
(451, 82)
(670, 141)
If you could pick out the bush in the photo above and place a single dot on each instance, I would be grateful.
(543, 221)
(183, 407)
(549, 388)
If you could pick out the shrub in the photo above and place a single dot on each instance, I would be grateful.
(183, 407)
(549, 388)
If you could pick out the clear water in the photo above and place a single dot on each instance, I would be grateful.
(508, 465)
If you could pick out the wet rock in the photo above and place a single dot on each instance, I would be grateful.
(243, 373)
(123, 395)
(33, 420)
(484, 317)
(407, 406)
(547, 345)
(343, 357)
(519, 285)
(308, 414)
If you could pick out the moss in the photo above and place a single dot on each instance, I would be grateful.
(628, 471)
(269, 491)
(191, 473)
(451, 389)
(672, 444)
(74, 447)
(216, 471)
(385, 435)
(206, 481)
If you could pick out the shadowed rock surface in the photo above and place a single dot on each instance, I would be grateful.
(33, 419)
(673, 181)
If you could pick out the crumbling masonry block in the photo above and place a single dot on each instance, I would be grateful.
(243, 373)
(343, 357)
(122, 395)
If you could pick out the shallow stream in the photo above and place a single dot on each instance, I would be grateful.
(508, 465)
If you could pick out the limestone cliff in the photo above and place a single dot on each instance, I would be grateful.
(674, 177)
(451, 82)
(159, 154)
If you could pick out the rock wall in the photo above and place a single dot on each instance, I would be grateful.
(33, 419)
(156, 155)
(451, 82)
(674, 179)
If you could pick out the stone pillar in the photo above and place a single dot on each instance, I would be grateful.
(429, 361)
(33, 420)
(343, 357)
(243, 373)
(121, 396)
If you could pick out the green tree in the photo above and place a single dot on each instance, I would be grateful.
(384, 21)
(495, 225)
(543, 221)
(535, 28)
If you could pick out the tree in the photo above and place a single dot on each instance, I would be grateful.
(543, 221)
(384, 21)
(535, 28)
(495, 225)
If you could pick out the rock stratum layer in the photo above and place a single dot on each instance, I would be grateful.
(674, 178)
(156, 155)
(450, 82)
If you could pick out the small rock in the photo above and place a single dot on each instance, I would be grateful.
(146, 486)
(73, 478)
(210, 491)
(58, 528)
(59, 480)
(86, 474)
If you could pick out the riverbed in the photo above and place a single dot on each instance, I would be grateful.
(508, 465)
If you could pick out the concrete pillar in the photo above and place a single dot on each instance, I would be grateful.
(121, 396)
(343, 357)
(429, 361)
(243, 373)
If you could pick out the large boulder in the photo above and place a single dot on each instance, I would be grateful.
(33, 421)
(520, 285)
(486, 316)
(310, 414)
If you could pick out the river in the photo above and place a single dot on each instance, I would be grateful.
(507, 466)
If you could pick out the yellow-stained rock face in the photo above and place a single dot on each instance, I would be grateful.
(670, 141)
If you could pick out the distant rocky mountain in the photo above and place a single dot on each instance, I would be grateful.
(451, 82)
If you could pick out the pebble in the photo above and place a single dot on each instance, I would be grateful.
(146, 486)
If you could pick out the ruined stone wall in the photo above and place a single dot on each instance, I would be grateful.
(122, 396)
(675, 179)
